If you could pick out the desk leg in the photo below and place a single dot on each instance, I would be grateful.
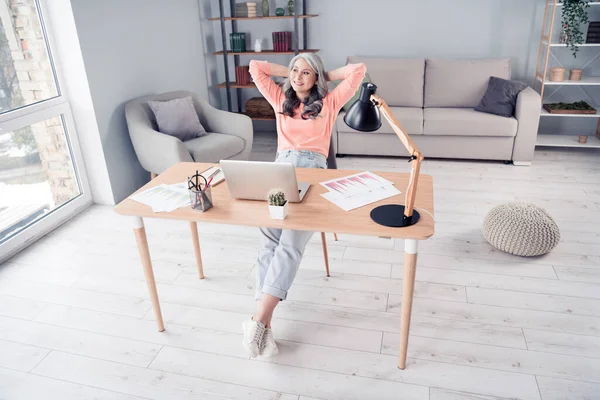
(196, 240)
(325, 255)
(142, 243)
(408, 286)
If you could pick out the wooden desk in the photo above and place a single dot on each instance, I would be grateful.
(314, 213)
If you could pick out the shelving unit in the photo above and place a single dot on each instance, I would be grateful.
(297, 17)
(231, 53)
(269, 17)
(567, 141)
(581, 45)
(592, 3)
(585, 81)
(541, 73)
(236, 86)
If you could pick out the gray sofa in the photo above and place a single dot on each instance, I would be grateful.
(434, 100)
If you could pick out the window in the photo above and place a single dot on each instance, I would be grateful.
(42, 179)
(26, 76)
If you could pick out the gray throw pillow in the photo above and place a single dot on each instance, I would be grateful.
(500, 97)
(177, 118)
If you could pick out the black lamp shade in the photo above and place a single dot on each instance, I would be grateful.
(363, 115)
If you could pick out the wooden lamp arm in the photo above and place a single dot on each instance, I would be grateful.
(416, 156)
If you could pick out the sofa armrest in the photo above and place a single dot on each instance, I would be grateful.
(527, 113)
(230, 123)
(157, 151)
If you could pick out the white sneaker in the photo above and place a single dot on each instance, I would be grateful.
(253, 336)
(269, 347)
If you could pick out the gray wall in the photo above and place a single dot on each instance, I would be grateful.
(130, 49)
(404, 28)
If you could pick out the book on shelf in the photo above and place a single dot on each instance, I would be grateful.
(593, 33)
(242, 75)
(282, 41)
(245, 6)
(245, 10)
(237, 42)
(243, 14)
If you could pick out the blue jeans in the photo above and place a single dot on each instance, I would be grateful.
(302, 158)
(281, 250)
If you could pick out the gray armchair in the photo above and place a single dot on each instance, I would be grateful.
(229, 135)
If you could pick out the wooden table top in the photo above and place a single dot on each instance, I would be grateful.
(314, 213)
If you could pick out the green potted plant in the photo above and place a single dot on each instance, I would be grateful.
(278, 204)
(574, 15)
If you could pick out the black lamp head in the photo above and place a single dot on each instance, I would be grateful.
(363, 115)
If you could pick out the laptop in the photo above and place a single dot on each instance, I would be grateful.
(252, 180)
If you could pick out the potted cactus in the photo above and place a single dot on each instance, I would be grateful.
(277, 204)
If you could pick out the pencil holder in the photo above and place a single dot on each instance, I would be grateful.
(201, 200)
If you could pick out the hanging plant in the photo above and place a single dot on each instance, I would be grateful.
(574, 14)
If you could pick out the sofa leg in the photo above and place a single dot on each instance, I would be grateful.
(506, 162)
(522, 163)
(340, 155)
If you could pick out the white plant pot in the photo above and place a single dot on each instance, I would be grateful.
(279, 212)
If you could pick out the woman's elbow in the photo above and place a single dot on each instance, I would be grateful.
(361, 69)
(253, 67)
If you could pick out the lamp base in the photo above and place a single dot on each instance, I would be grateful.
(392, 215)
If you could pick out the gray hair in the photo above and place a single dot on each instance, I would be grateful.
(314, 102)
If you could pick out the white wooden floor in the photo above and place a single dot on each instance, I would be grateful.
(75, 319)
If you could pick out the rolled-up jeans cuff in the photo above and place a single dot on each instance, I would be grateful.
(273, 291)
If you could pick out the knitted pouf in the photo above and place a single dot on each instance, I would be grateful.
(521, 229)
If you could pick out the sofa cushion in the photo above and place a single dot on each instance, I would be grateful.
(214, 147)
(466, 122)
(399, 81)
(410, 118)
(461, 83)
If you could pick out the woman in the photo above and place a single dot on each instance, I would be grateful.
(305, 116)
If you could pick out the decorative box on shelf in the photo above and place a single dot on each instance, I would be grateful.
(579, 107)
(259, 107)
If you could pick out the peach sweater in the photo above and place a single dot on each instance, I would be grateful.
(297, 133)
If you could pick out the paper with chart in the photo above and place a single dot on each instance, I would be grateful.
(354, 191)
(164, 198)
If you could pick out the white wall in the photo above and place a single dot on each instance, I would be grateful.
(405, 28)
(130, 49)
(68, 61)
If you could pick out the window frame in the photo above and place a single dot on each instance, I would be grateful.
(33, 113)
